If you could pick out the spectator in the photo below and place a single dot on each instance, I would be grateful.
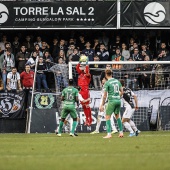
(21, 58)
(82, 43)
(28, 44)
(54, 49)
(131, 43)
(48, 59)
(103, 53)
(96, 73)
(117, 57)
(114, 44)
(104, 39)
(31, 61)
(163, 56)
(49, 63)
(38, 41)
(76, 55)
(38, 50)
(125, 52)
(163, 48)
(96, 46)
(145, 51)
(136, 56)
(62, 46)
(130, 75)
(45, 47)
(13, 80)
(41, 77)
(27, 80)
(61, 54)
(135, 46)
(8, 62)
(61, 72)
(88, 51)
(70, 51)
(2, 43)
(146, 75)
(15, 45)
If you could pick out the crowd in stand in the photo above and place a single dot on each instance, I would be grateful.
(17, 60)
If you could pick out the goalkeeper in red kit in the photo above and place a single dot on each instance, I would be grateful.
(83, 83)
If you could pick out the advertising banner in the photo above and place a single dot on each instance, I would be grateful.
(145, 14)
(12, 105)
(59, 14)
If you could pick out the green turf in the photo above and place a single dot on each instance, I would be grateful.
(148, 151)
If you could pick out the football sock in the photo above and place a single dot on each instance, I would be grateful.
(113, 123)
(98, 123)
(86, 112)
(120, 124)
(89, 115)
(74, 126)
(132, 124)
(71, 123)
(128, 127)
(60, 127)
(108, 126)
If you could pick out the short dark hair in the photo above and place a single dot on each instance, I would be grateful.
(70, 82)
(13, 68)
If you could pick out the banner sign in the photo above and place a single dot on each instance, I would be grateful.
(12, 105)
(45, 101)
(58, 14)
(145, 14)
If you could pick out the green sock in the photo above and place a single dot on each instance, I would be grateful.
(74, 126)
(108, 126)
(60, 127)
(120, 124)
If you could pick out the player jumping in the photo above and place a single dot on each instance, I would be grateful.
(84, 94)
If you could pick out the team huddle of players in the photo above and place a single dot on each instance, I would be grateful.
(112, 92)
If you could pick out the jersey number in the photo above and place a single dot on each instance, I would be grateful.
(69, 96)
(116, 88)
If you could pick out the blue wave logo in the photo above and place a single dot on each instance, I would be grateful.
(4, 13)
(154, 13)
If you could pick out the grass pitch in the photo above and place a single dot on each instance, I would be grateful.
(148, 151)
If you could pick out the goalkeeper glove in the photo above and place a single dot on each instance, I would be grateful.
(87, 61)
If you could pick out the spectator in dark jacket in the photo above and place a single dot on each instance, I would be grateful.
(21, 58)
(95, 71)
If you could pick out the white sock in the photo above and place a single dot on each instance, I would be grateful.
(113, 123)
(98, 123)
(71, 123)
(132, 124)
(128, 127)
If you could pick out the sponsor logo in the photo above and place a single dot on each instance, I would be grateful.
(3, 13)
(154, 13)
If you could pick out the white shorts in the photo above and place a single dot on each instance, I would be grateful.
(128, 112)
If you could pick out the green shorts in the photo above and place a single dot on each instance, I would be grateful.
(69, 109)
(113, 107)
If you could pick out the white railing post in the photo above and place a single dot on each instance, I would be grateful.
(32, 97)
(70, 70)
